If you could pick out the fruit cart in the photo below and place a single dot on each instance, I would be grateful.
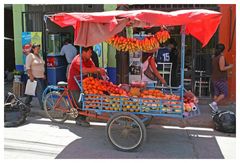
(128, 110)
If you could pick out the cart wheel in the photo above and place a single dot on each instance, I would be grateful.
(126, 132)
(50, 108)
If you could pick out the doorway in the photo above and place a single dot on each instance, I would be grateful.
(197, 70)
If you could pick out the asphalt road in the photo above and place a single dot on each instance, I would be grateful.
(40, 139)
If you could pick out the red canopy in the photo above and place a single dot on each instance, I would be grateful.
(96, 27)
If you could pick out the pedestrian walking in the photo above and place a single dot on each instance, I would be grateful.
(219, 76)
(35, 70)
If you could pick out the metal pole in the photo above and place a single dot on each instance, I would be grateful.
(44, 42)
(23, 13)
(81, 77)
(183, 29)
(194, 54)
(102, 55)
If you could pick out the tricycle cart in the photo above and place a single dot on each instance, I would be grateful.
(127, 116)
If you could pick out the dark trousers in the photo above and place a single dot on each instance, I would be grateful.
(76, 94)
(174, 77)
(41, 85)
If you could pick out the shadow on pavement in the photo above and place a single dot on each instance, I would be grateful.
(162, 143)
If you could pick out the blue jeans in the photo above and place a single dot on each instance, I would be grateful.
(41, 85)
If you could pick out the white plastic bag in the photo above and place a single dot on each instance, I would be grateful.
(31, 87)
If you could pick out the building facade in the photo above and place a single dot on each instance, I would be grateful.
(30, 18)
(227, 36)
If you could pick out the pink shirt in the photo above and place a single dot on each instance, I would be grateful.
(36, 64)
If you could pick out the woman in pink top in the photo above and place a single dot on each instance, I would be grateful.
(35, 70)
(148, 59)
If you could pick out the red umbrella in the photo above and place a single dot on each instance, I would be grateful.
(96, 27)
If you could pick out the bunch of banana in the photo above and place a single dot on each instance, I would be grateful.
(139, 45)
(165, 36)
(133, 44)
(154, 43)
(149, 44)
(162, 36)
(145, 44)
(119, 43)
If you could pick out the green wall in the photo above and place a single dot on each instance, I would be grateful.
(109, 7)
(17, 24)
(108, 49)
(104, 54)
(17, 27)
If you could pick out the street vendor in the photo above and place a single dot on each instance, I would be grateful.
(148, 62)
(87, 67)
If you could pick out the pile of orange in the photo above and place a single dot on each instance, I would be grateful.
(96, 86)
(158, 94)
(152, 93)
(92, 86)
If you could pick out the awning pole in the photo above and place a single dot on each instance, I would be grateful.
(183, 29)
(81, 75)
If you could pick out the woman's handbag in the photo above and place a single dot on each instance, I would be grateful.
(148, 73)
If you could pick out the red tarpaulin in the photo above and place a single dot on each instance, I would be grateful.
(96, 27)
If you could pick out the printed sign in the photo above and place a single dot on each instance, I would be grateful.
(28, 39)
(135, 66)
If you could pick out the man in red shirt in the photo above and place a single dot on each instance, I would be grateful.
(87, 67)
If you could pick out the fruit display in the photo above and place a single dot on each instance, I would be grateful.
(133, 44)
(153, 94)
(111, 103)
(135, 92)
(131, 105)
(96, 86)
(189, 97)
(159, 95)
(104, 94)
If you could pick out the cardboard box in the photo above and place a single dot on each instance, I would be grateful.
(18, 88)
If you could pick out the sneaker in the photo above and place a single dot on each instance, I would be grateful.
(83, 123)
(213, 107)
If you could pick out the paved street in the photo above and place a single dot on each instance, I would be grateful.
(40, 138)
